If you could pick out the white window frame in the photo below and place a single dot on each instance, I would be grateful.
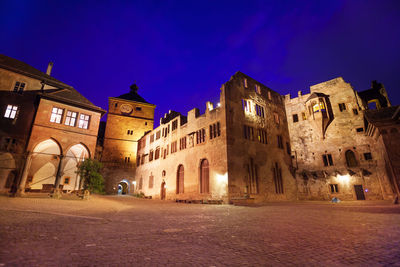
(11, 112)
(83, 122)
(56, 115)
(70, 118)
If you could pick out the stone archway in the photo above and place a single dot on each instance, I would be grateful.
(70, 180)
(45, 161)
(123, 187)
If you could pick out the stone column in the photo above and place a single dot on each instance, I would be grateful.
(57, 191)
(24, 174)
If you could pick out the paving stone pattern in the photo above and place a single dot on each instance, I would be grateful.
(124, 231)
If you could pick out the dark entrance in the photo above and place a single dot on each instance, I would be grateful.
(163, 190)
(359, 192)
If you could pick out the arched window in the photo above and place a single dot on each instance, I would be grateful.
(351, 159)
(204, 177)
(179, 180)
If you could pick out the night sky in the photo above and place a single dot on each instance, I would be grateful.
(181, 52)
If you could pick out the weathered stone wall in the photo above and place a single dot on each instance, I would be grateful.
(345, 132)
(165, 168)
(265, 156)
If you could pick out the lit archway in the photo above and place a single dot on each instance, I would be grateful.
(123, 187)
(43, 168)
(70, 180)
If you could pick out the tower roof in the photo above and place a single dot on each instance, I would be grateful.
(133, 95)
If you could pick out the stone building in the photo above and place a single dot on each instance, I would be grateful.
(237, 151)
(333, 154)
(46, 128)
(129, 118)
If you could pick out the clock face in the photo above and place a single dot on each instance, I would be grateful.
(125, 108)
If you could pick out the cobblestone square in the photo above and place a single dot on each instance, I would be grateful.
(125, 231)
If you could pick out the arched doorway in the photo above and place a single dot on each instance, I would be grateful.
(123, 188)
(70, 179)
(351, 159)
(180, 180)
(204, 177)
(44, 165)
(163, 190)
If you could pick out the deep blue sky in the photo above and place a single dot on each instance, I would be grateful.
(181, 52)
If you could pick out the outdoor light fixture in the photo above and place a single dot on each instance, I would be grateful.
(133, 182)
(344, 178)
(219, 104)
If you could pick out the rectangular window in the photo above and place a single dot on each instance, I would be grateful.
(215, 130)
(269, 95)
(257, 88)
(334, 188)
(200, 136)
(158, 135)
(11, 112)
(359, 130)
(151, 154)
(342, 106)
(19, 87)
(174, 125)
(303, 115)
(174, 147)
(327, 159)
(127, 159)
(245, 82)
(70, 119)
(288, 148)
(368, 156)
(83, 121)
(56, 115)
(295, 118)
(246, 104)
(182, 143)
(280, 142)
(260, 111)
(152, 138)
(248, 132)
(262, 136)
(278, 181)
(66, 180)
(355, 111)
(157, 154)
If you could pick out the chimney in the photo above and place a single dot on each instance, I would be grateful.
(49, 68)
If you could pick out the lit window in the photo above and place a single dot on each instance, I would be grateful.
(70, 120)
(19, 87)
(246, 104)
(257, 88)
(315, 107)
(83, 121)
(56, 115)
(11, 112)
(245, 82)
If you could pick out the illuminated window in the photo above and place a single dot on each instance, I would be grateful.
(303, 115)
(246, 104)
(315, 107)
(19, 87)
(84, 121)
(334, 188)
(70, 119)
(257, 88)
(56, 115)
(245, 82)
(11, 112)
(321, 105)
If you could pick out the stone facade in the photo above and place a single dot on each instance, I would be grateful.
(235, 151)
(331, 152)
(129, 118)
(47, 128)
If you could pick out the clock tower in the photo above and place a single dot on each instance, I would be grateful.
(129, 117)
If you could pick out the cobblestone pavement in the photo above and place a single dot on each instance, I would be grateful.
(124, 231)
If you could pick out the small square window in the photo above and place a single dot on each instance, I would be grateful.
(138, 109)
(19, 87)
(66, 180)
(355, 111)
(70, 119)
(368, 156)
(56, 115)
(83, 121)
(359, 130)
(11, 112)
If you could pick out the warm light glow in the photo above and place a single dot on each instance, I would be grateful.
(222, 178)
(219, 104)
(221, 184)
(134, 182)
(343, 178)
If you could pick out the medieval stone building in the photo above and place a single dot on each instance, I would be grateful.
(237, 151)
(332, 150)
(46, 129)
(129, 118)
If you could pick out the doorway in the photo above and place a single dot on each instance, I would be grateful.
(122, 188)
(163, 190)
(359, 192)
